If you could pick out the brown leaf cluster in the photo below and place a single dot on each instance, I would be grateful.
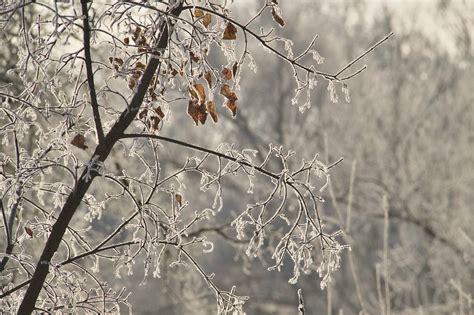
(227, 73)
(136, 74)
(197, 111)
(116, 62)
(197, 107)
(206, 18)
(231, 99)
(152, 118)
(138, 36)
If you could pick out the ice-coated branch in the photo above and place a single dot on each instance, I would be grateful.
(102, 151)
(90, 73)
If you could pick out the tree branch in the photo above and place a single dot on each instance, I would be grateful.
(9, 247)
(14, 209)
(100, 154)
(201, 149)
(294, 61)
(90, 73)
(72, 259)
(350, 64)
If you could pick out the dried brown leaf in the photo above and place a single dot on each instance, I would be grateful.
(136, 74)
(159, 112)
(230, 32)
(29, 231)
(276, 13)
(197, 112)
(79, 141)
(232, 106)
(235, 67)
(228, 93)
(154, 123)
(116, 60)
(227, 73)
(179, 200)
(198, 13)
(208, 78)
(212, 110)
(207, 20)
(194, 57)
(136, 33)
(142, 115)
(198, 93)
(131, 83)
(140, 65)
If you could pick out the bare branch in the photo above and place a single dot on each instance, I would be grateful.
(90, 74)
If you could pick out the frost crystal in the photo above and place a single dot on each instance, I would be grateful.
(346, 92)
(93, 166)
(332, 91)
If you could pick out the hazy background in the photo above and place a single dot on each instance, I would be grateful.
(406, 134)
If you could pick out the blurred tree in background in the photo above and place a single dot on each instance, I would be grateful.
(85, 204)
(405, 136)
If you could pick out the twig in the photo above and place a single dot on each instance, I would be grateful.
(301, 310)
(350, 64)
(201, 149)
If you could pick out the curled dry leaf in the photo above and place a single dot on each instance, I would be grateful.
(153, 123)
(235, 67)
(142, 44)
(143, 114)
(29, 231)
(194, 57)
(179, 200)
(198, 13)
(152, 118)
(230, 32)
(116, 62)
(212, 110)
(197, 112)
(276, 13)
(227, 73)
(135, 76)
(159, 112)
(140, 65)
(131, 83)
(228, 93)
(207, 20)
(79, 141)
(198, 93)
(136, 33)
(174, 72)
(208, 78)
(231, 99)
(232, 106)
